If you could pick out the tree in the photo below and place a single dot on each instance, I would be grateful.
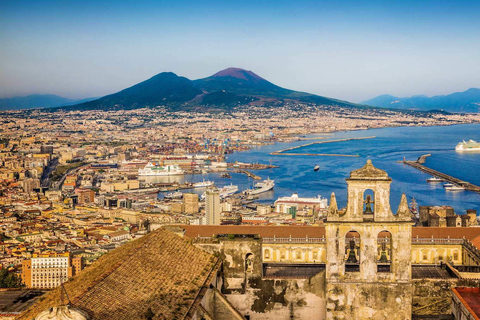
(9, 279)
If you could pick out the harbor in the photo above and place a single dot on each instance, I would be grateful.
(418, 164)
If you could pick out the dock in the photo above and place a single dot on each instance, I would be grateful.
(249, 174)
(418, 164)
(285, 153)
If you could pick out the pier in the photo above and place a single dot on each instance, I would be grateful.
(418, 164)
(249, 174)
(284, 152)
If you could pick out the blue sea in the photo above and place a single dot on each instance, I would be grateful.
(295, 173)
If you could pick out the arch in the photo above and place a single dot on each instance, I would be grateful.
(352, 251)
(368, 202)
(266, 254)
(249, 262)
(384, 251)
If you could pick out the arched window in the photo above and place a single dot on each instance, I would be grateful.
(267, 254)
(352, 252)
(368, 203)
(249, 262)
(455, 255)
(384, 251)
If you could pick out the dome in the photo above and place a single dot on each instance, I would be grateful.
(62, 313)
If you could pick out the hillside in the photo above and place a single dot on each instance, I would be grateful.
(467, 101)
(224, 89)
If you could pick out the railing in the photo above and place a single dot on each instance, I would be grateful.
(437, 241)
(293, 240)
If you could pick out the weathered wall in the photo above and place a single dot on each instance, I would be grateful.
(375, 301)
(432, 297)
(302, 299)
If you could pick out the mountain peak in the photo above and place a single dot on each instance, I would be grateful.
(239, 74)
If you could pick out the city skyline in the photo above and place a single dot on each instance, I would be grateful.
(350, 51)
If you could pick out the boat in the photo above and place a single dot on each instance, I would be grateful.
(261, 187)
(447, 185)
(226, 175)
(469, 146)
(203, 184)
(316, 168)
(152, 169)
(224, 192)
(435, 179)
(174, 195)
(455, 188)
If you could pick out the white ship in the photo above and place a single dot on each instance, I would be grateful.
(203, 184)
(224, 191)
(454, 188)
(261, 187)
(174, 195)
(435, 179)
(469, 146)
(152, 169)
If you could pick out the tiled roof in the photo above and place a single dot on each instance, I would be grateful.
(161, 271)
(470, 298)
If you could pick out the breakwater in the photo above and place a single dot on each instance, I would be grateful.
(284, 152)
(418, 164)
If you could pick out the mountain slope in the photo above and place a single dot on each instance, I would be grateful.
(37, 101)
(467, 101)
(225, 89)
(163, 89)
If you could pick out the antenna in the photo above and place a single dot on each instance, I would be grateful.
(63, 292)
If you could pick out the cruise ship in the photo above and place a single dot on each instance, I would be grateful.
(469, 146)
(261, 187)
(152, 169)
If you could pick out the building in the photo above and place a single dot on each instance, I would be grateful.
(466, 303)
(47, 271)
(291, 205)
(369, 251)
(191, 203)
(212, 206)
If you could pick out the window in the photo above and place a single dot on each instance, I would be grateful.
(315, 255)
(455, 255)
(299, 255)
(267, 254)
(352, 251)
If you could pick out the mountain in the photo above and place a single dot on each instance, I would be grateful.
(467, 101)
(37, 101)
(224, 89)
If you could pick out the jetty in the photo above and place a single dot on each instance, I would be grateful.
(284, 152)
(418, 164)
(249, 174)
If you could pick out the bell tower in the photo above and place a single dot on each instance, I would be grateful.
(368, 268)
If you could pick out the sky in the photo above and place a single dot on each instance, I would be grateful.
(349, 50)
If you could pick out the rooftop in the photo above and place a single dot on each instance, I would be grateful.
(141, 274)
(470, 297)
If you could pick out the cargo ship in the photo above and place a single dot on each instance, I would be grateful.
(469, 146)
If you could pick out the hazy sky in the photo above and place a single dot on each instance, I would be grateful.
(351, 50)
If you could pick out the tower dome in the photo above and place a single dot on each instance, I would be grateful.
(62, 313)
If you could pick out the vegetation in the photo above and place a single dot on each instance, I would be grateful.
(62, 169)
(9, 279)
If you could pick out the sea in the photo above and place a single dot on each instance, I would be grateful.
(295, 174)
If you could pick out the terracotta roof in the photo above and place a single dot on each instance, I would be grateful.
(468, 233)
(161, 271)
(470, 298)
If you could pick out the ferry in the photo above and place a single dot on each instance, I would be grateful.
(174, 195)
(224, 192)
(262, 187)
(435, 179)
(152, 169)
(469, 146)
(316, 168)
(203, 184)
(447, 185)
(454, 188)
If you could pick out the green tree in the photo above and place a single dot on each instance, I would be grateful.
(9, 279)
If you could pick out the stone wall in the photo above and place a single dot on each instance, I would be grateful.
(282, 299)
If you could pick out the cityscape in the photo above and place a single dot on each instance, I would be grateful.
(153, 196)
